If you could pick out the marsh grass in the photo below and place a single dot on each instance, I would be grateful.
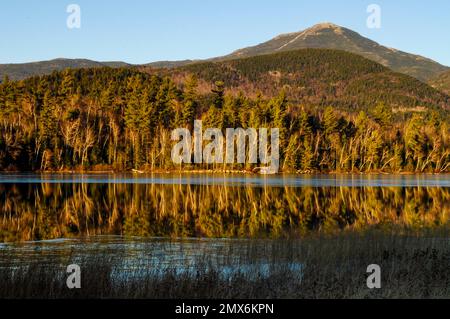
(413, 266)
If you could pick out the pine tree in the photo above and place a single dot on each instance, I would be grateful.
(137, 121)
(219, 93)
(278, 108)
(383, 115)
(361, 122)
(257, 113)
(244, 111)
(213, 118)
(415, 140)
(67, 87)
(230, 117)
(166, 94)
(107, 97)
(48, 123)
(190, 103)
(330, 122)
(304, 126)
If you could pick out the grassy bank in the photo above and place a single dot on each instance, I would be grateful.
(412, 266)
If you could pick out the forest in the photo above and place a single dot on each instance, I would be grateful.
(118, 119)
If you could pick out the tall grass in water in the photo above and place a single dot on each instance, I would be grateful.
(333, 267)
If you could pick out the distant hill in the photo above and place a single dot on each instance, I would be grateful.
(171, 64)
(24, 70)
(331, 36)
(321, 77)
(442, 82)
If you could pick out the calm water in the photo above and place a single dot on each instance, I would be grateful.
(50, 206)
(320, 180)
(166, 221)
(132, 258)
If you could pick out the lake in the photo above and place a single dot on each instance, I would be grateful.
(319, 180)
(170, 222)
(51, 206)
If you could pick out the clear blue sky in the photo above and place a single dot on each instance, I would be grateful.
(141, 31)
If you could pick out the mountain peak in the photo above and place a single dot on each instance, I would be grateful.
(325, 25)
(328, 35)
(315, 28)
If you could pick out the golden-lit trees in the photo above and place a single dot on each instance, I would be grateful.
(122, 119)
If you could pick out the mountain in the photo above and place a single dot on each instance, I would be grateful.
(24, 70)
(442, 82)
(331, 36)
(320, 77)
(321, 36)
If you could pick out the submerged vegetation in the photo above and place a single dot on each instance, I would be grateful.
(334, 267)
(336, 112)
(48, 211)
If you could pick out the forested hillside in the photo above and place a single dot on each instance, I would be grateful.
(119, 119)
(323, 77)
(20, 71)
(442, 82)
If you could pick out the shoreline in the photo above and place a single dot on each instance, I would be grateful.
(225, 172)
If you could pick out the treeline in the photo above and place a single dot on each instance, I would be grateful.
(120, 119)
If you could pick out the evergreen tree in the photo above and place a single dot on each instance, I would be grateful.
(48, 121)
(330, 122)
(218, 94)
(383, 115)
(278, 107)
(230, 116)
(415, 141)
(164, 99)
(303, 124)
(190, 103)
(307, 160)
(67, 87)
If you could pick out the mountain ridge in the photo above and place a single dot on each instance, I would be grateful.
(331, 36)
(19, 71)
(319, 77)
(320, 36)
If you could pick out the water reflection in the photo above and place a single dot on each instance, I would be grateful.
(42, 209)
